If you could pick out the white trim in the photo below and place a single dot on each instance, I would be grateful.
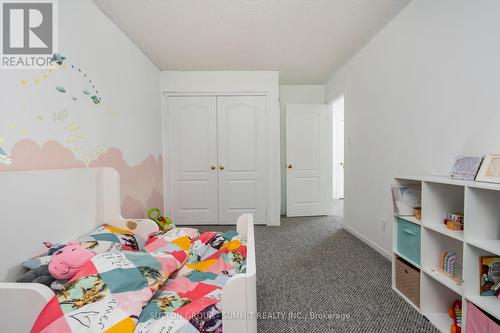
(167, 176)
(368, 242)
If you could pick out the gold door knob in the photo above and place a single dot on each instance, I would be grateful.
(221, 167)
(213, 167)
(290, 166)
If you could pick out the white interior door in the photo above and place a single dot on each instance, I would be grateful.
(192, 137)
(242, 157)
(308, 155)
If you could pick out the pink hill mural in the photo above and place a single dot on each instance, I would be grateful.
(141, 185)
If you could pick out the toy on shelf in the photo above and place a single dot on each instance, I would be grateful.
(418, 213)
(454, 221)
(455, 313)
(448, 263)
(164, 222)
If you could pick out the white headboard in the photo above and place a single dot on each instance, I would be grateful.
(54, 206)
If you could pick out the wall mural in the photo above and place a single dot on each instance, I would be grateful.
(141, 184)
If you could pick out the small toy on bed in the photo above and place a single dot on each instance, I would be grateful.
(68, 260)
(62, 262)
(41, 275)
(38, 268)
(164, 222)
(38, 275)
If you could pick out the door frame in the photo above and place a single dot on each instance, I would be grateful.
(167, 172)
(329, 101)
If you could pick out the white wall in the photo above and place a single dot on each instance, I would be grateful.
(212, 82)
(424, 90)
(294, 94)
(122, 131)
(127, 81)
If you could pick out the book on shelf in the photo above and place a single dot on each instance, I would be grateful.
(489, 267)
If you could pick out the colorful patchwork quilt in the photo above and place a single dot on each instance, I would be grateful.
(107, 238)
(104, 239)
(109, 292)
(191, 301)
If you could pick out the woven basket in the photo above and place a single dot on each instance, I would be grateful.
(408, 281)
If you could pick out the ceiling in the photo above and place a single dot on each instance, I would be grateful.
(306, 40)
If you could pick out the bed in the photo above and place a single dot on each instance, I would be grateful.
(64, 204)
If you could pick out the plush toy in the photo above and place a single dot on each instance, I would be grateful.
(65, 261)
(38, 275)
(164, 222)
(68, 260)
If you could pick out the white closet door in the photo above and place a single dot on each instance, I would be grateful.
(308, 147)
(242, 157)
(192, 132)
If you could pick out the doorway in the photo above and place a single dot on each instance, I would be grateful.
(337, 109)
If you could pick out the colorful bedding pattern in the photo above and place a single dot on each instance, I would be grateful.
(109, 292)
(190, 301)
(104, 239)
(107, 238)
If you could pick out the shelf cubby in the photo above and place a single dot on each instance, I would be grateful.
(433, 245)
(435, 302)
(407, 283)
(489, 304)
(483, 219)
(439, 200)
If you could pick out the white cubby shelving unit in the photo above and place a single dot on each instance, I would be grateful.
(480, 203)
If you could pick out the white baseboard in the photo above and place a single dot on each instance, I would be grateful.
(368, 242)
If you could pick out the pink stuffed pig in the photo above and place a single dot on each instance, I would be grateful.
(67, 261)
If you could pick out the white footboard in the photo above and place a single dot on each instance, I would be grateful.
(239, 296)
(20, 304)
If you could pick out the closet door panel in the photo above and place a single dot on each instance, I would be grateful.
(192, 132)
(242, 157)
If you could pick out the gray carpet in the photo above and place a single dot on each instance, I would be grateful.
(311, 266)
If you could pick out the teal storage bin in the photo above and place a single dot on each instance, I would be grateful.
(409, 240)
